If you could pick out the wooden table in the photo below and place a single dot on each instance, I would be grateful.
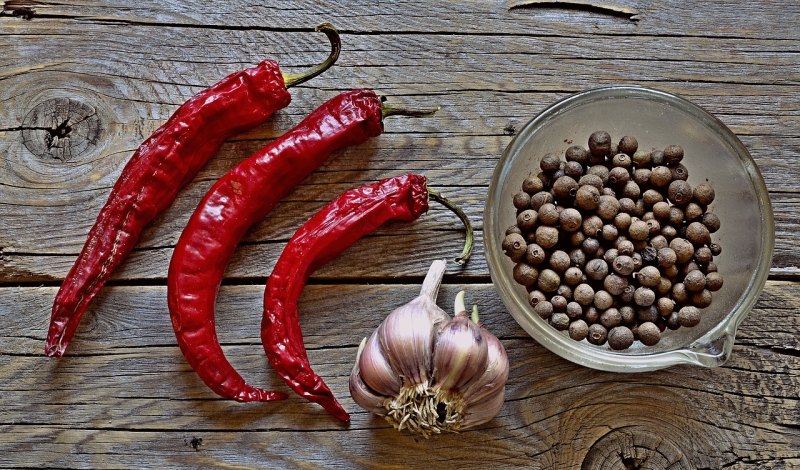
(125, 397)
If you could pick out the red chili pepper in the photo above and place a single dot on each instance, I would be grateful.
(327, 234)
(239, 199)
(161, 166)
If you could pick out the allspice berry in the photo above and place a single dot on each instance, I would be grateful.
(546, 236)
(514, 246)
(618, 177)
(513, 229)
(597, 334)
(684, 250)
(577, 258)
(600, 144)
(578, 330)
(644, 296)
(583, 294)
(679, 192)
(565, 187)
(559, 303)
(694, 281)
(638, 230)
(615, 284)
(673, 154)
(574, 170)
(623, 265)
(549, 163)
(693, 212)
(591, 180)
(628, 144)
(660, 177)
(658, 242)
(577, 154)
(570, 219)
(620, 337)
(532, 185)
(544, 309)
(536, 296)
(522, 200)
(651, 197)
(649, 334)
(608, 207)
(559, 261)
(661, 210)
(679, 172)
(603, 300)
(657, 157)
(591, 314)
(549, 280)
(641, 176)
(541, 198)
(622, 220)
(535, 254)
(525, 274)
(704, 194)
(649, 276)
(611, 318)
(667, 257)
(596, 269)
(689, 316)
(573, 276)
(641, 158)
(592, 226)
(698, 234)
(624, 247)
(679, 293)
(713, 281)
(665, 306)
(574, 310)
(609, 233)
(601, 171)
(560, 321)
(631, 190)
(622, 160)
(701, 299)
(548, 214)
(647, 314)
(711, 221)
(526, 220)
(590, 246)
(587, 197)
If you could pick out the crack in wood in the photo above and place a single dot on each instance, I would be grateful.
(590, 6)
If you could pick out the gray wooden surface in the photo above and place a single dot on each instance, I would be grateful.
(124, 396)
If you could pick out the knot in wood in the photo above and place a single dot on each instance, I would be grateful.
(634, 448)
(61, 129)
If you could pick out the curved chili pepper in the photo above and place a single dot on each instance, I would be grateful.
(160, 167)
(351, 216)
(238, 200)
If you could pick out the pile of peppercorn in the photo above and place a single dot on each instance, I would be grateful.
(614, 244)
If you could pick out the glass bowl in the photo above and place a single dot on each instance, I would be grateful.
(712, 152)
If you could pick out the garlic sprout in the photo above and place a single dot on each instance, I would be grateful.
(427, 372)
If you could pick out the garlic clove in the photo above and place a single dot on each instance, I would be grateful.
(460, 351)
(494, 376)
(484, 410)
(375, 369)
(360, 391)
(407, 334)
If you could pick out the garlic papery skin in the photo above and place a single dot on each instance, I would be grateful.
(375, 369)
(457, 381)
(495, 374)
(460, 351)
(361, 392)
(407, 334)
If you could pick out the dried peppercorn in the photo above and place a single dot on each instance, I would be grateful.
(514, 246)
(673, 154)
(713, 281)
(648, 333)
(522, 200)
(550, 163)
(578, 330)
(597, 334)
(546, 236)
(525, 274)
(689, 316)
(536, 296)
(549, 280)
(679, 172)
(544, 309)
(620, 337)
(570, 219)
(560, 321)
(587, 197)
(711, 221)
(715, 248)
(577, 258)
(628, 145)
(698, 234)
(559, 261)
(532, 185)
(600, 144)
(526, 220)
(679, 192)
(590, 246)
(704, 194)
(660, 177)
(657, 158)
(565, 187)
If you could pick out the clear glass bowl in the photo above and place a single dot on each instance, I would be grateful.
(712, 152)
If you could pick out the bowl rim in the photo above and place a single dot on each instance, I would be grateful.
(710, 350)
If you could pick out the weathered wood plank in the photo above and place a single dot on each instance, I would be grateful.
(127, 391)
(708, 17)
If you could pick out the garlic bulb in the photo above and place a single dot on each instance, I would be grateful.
(429, 373)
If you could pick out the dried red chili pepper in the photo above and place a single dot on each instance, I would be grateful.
(161, 166)
(351, 216)
(239, 199)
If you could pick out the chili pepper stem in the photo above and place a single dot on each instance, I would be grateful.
(389, 110)
(293, 79)
(464, 256)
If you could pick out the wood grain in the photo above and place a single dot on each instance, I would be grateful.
(126, 390)
(125, 398)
